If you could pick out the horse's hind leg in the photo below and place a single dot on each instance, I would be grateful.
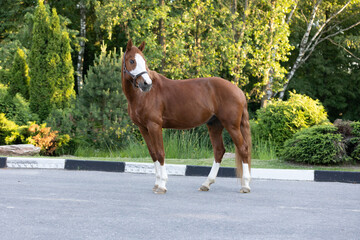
(215, 131)
(241, 155)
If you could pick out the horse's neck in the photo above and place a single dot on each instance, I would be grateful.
(127, 88)
(159, 79)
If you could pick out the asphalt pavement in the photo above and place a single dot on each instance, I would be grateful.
(61, 204)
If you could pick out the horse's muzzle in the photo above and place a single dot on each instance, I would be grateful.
(144, 86)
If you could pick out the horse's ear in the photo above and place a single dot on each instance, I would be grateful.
(129, 45)
(142, 46)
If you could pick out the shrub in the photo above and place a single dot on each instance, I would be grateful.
(356, 153)
(48, 140)
(65, 145)
(320, 144)
(279, 120)
(355, 128)
(351, 137)
(356, 141)
(16, 108)
(63, 121)
(8, 130)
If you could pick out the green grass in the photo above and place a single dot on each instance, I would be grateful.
(263, 150)
(177, 144)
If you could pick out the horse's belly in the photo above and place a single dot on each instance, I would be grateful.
(186, 120)
(181, 125)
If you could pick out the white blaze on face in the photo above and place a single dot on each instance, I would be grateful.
(141, 67)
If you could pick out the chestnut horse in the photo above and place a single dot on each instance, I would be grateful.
(156, 102)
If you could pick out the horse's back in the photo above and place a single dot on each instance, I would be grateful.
(216, 84)
(223, 91)
(195, 101)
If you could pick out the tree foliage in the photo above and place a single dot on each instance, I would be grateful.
(12, 13)
(19, 75)
(63, 75)
(319, 22)
(101, 109)
(50, 63)
(333, 79)
(246, 41)
(207, 38)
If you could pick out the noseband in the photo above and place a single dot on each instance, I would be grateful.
(134, 77)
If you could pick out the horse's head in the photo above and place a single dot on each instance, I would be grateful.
(135, 69)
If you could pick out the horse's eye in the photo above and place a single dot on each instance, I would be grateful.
(132, 61)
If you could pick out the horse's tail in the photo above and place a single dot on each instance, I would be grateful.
(244, 154)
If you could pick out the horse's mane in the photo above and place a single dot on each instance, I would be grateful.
(158, 78)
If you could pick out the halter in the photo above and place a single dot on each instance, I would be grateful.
(134, 77)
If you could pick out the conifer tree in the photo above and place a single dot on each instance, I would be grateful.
(51, 69)
(62, 71)
(19, 75)
(102, 105)
(41, 87)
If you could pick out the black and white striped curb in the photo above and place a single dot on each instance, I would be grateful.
(174, 169)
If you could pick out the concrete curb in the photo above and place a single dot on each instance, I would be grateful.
(94, 165)
(174, 169)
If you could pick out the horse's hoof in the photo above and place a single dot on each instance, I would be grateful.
(204, 188)
(245, 190)
(155, 188)
(160, 191)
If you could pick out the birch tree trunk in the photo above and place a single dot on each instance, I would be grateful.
(80, 62)
(302, 48)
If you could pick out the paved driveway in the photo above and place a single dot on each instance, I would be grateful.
(60, 204)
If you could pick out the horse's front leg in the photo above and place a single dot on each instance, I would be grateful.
(145, 133)
(158, 156)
